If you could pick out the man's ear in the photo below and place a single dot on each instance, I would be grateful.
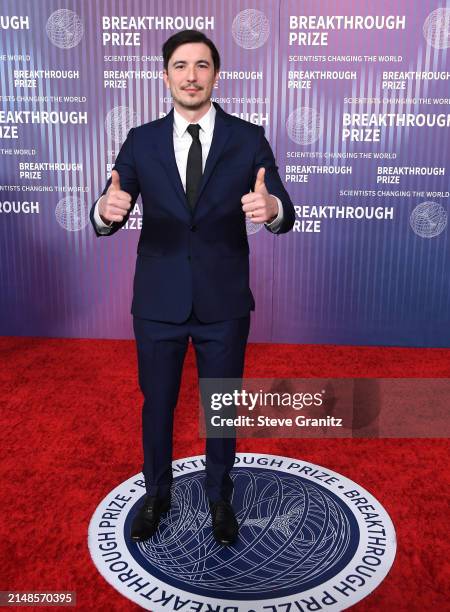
(165, 78)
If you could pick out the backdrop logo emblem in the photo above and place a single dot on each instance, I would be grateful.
(119, 121)
(64, 29)
(306, 534)
(251, 227)
(72, 214)
(436, 28)
(428, 219)
(250, 29)
(304, 125)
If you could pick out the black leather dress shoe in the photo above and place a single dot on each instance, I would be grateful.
(146, 521)
(224, 524)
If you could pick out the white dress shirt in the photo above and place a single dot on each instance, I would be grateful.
(182, 141)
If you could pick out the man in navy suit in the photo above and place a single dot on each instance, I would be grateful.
(200, 172)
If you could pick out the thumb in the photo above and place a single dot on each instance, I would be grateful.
(115, 180)
(259, 183)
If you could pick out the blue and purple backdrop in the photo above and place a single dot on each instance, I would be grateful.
(354, 98)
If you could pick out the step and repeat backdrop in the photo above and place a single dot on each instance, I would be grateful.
(355, 100)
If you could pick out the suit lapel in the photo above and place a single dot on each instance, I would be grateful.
(166, 154)
(220, 137)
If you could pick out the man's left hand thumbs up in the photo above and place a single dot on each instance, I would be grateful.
(259, 205)
(260, 185)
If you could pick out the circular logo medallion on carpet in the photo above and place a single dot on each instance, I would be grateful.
(309, 539)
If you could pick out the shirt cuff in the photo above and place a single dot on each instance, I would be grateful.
(102, 227)
(275, 225)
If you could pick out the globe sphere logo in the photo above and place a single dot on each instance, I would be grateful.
(290, 530)
(250, 29)
(251, 227)
(64, 29)
(304, 125)
(72, 214)
(300, 533)
(436, 28)
(428, 219)
(119, 121)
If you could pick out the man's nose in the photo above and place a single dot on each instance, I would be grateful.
(192, 74)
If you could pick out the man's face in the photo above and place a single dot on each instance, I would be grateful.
(190, 75)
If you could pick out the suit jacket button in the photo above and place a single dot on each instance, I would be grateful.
(193, 228)
(189, 258)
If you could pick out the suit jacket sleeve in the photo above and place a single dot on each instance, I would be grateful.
(126, 167)
(265, 158)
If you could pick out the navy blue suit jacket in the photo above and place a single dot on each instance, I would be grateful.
(195, 258)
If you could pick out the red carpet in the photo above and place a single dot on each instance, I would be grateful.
(71, 431)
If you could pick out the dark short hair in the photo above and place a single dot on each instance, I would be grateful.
(189, 36)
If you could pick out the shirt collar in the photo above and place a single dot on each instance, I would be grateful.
(206, 123)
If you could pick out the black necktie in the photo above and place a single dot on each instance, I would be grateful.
(194, 165)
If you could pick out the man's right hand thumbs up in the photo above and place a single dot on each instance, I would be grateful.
(115, 204)
(115, 180)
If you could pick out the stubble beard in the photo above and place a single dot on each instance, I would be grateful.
(191, 104)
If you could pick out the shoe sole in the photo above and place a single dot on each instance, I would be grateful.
(226, 542)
